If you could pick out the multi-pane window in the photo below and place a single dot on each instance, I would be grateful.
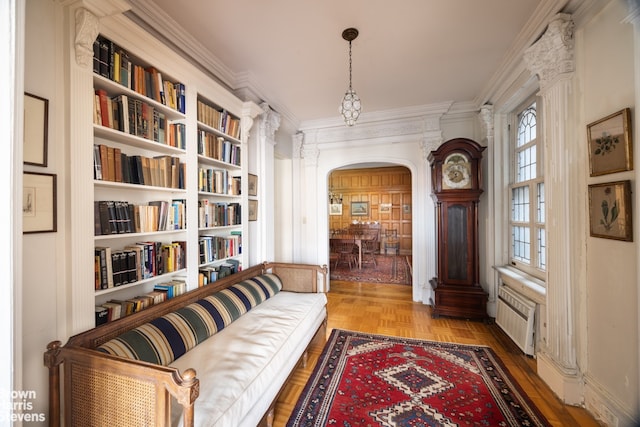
(528, 243)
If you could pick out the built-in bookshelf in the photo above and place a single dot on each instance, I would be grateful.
(148, 136)
(219, 192)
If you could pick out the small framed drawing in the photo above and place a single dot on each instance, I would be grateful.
(610, 148)
(385, 207)
(359, 208)
(253, 210)
(253, 185)
(36, 125)
(610, 210)
(335, 209)
(39, 209)
(406, 209)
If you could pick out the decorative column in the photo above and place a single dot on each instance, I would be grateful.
(296, 202)
(309, 199)
(269, 124)
(431, 140)
(489, 228)
(552, 59)
(84, 30)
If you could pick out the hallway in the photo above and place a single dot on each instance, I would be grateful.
(389, 310)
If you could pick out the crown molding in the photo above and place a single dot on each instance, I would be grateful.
(146, 14)
(419, 111)
(512, 62)
(245, 84)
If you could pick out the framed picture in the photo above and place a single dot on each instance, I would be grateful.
(335, 209)
(610, 210)
(385, 207)
(253, 185)
(359, 208)
(406, 209)
(610, 148)
(253, 210)
(36, 125)
(39, 210)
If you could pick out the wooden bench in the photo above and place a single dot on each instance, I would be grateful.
(105, 389)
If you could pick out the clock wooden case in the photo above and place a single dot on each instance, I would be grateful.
(456, 189)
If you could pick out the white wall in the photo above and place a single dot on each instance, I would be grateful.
(43, 256)
(607, 81)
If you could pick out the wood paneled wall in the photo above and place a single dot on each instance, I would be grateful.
(387, 191)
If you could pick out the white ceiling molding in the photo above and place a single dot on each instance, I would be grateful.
(389, 127)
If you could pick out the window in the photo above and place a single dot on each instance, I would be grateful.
(527, 219)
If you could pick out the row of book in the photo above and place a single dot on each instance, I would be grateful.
(218, 148)
(219, 118)
(218, 214)
(111, 164)
(114, 63)
(143, 260)
(218, 181)
(210, 274)
(115, 309)
(214, 248)
(120, 217)
(136, 117)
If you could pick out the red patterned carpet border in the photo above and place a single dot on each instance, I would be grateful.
(374, 380)
(390, 269)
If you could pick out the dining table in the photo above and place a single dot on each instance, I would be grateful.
(355, 238)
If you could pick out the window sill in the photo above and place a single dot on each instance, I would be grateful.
(525, 284)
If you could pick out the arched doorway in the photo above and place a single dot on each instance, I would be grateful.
(371, 201)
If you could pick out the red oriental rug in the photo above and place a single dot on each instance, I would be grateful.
(373, 380)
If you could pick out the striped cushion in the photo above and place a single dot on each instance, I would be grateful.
(166, 338)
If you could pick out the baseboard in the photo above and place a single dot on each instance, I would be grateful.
(569, 387)
(604, 407)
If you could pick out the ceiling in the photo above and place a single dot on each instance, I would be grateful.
(409, 52)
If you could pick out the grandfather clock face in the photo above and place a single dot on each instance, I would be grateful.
(456, 172)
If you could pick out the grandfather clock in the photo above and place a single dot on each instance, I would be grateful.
(456, 185)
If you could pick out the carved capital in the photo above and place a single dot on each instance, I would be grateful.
(310, 154)
(431, 141)
(298, 140)
(87, 29)
(246, 125)
(486, 117)
(553, 55)
(269, 124)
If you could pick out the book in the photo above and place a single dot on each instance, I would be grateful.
(106, 266)
(102, 315)
(97, 163)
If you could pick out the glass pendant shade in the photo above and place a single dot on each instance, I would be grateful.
(350, 107)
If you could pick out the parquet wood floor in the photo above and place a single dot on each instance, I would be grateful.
(389, 310)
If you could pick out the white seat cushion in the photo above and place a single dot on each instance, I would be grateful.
(242, 368)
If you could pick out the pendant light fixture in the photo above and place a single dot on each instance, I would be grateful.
(351, 106)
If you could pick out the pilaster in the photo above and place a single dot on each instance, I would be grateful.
(488, 276)
(431, 140)
(552, 59)
(634, 18)
(296, 187)
(84, 26)
(269, 122)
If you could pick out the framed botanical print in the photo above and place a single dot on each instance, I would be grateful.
(610, 210)
(610, 148)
